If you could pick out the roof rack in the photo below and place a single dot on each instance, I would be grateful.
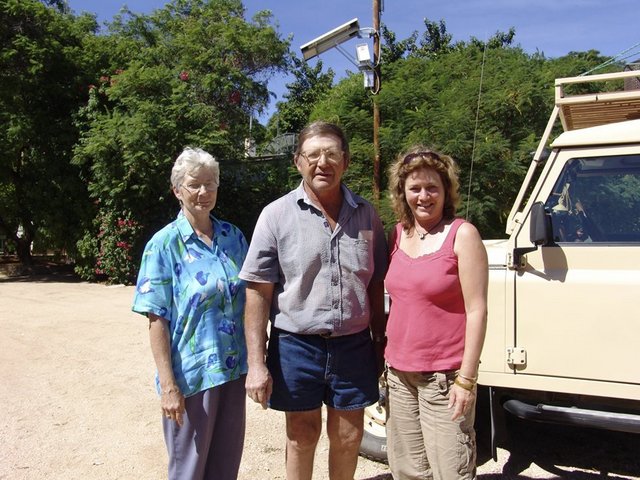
(576, 112)
(590, 110)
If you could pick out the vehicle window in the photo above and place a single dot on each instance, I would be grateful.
(597, 199)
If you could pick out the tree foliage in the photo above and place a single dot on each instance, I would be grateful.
(310, 85)
(189, 74)
(42, 72)
(393, 49)
(91, 123)
(434, 41)
(432, 95)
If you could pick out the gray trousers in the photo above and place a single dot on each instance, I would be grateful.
(209, 444)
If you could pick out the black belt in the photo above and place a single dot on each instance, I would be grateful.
(327, 335)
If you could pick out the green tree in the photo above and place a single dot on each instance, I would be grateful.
(191, 73)
(434, 40)
(498, 40)
(433, 96)
(309, 86)
(42, 83)
(393, 49)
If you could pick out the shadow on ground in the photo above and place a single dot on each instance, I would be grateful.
(569, 452)
(42, 270)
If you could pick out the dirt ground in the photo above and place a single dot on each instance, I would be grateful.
(78, 397)
(78, 400)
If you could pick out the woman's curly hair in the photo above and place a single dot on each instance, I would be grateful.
(417, 157)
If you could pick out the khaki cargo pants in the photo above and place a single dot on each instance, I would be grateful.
(422, 440)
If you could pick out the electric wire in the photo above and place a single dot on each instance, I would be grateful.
(629, 52)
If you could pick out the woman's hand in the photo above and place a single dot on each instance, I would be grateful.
(171, 398)
(461, 400)
(172, 404)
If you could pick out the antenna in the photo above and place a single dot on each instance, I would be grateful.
(475, 131)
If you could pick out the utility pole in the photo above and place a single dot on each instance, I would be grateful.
(377, 83)
(371, 70)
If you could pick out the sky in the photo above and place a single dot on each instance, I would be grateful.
(552, 27)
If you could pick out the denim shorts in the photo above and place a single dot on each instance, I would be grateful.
(309, 370)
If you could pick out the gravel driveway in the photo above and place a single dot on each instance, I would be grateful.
(78, 400)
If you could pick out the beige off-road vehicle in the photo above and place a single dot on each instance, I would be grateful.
(563, 334)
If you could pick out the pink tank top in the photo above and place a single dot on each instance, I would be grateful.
(427, 320)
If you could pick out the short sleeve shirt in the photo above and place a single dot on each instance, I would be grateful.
(197, 289)
(321, 276)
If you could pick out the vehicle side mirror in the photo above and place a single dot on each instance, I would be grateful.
(541, 231)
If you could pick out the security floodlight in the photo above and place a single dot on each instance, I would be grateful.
(330, 39)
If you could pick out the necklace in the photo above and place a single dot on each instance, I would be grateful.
(423, 235)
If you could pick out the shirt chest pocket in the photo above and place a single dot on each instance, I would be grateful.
(356, 255)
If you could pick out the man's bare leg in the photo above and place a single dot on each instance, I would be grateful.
(344, 429)
(303, 433)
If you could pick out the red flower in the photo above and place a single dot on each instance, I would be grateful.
(91, 87)
(235, 97)
(184, 75)
(104, 79)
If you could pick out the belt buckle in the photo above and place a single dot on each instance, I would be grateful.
(326, 334)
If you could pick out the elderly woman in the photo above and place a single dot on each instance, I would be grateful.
(189, 289)
(437, 282)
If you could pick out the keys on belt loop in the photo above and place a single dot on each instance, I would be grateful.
(441, 378)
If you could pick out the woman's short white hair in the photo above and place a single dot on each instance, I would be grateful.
(191, 160)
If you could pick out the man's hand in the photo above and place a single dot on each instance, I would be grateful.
(259, 385)
(379, 345)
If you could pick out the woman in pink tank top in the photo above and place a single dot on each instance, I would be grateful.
(437, 283)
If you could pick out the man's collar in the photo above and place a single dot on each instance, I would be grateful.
(352, 200)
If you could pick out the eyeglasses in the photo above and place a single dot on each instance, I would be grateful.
(428, 154)
(197, 187)
(333, 157)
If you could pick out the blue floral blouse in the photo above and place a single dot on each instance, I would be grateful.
(197, 289)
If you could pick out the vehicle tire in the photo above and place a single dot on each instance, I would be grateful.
(374, 438)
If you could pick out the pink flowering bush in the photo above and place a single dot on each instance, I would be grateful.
(109, 255)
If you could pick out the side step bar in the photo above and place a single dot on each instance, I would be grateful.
(580, 417)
